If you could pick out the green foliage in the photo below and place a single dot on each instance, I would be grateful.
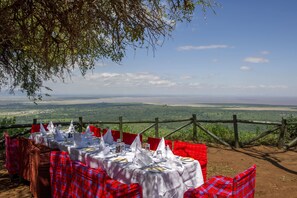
(292, 129)
(44, 40)
(136, 112)
(6, 122)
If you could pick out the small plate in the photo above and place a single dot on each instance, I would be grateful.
(90, 149)
(120, 160)
(186, 159)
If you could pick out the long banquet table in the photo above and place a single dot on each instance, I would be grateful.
(170, 181)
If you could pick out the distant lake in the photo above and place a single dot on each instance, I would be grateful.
(162, 100)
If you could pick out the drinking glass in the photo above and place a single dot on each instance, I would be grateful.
(147, 147)
(159, 154)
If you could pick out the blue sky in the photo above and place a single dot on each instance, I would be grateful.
(248, 48)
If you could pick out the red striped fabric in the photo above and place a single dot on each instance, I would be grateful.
(241, 186)
(97, 132)
(39, 170)
(36, 128)
(116, 189)
(128, 138)
(60, 174)
(244, 183)
(12, 154)
(154, 142)
(115, 134)
(25, 146)
(87, 182)
(196, 151)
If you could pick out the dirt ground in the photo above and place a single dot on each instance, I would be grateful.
(276, 170)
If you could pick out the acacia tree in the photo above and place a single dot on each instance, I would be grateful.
(45, 39)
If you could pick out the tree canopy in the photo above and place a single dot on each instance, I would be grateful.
(41, 40)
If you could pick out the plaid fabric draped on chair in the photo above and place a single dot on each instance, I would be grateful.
(128, 138)
(154, 142)
(115, 134)
(196, 151)
(25, 146)
(12, 154)
(36, 128)
(116, 189)
(40, 176)
(87, 182)
(60, 174)
(241, 186)
(96, 131)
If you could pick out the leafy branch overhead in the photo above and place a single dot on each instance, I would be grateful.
(41, 40)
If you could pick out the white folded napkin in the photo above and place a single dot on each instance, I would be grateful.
(108, 137)
(58, 135)
(136, 144)
(142, 158)
(161, 147)
(103, 148)
(42, 129)
(51, 127)
(78, 140)
(88, 130)
(71, 128)
(169, 154)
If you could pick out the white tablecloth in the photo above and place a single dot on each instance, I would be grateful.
(172, 182)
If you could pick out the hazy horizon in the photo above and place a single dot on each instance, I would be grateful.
(159, 99)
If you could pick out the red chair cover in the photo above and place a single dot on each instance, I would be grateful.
(87, 182)
(242, 185)
(40, 176)
(116, 135)
(128, 138)
(154, 142)
(60, 174)
(196, 151)
(36, 128)
(12, 154)
(96, 131)
(25, 146)
(116, 189)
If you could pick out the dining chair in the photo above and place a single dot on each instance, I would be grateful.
(25, 146)
(128, 138)
(196, 151)
(116, 189)
(40, 171)
(12, 155)
(154, 142)
(241, 186)
(36, 128)
(96, 131)
(87, 182)
(60, 174)
(116, 134)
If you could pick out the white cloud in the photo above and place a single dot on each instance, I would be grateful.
(259, 87)
(162, 83)
(185, 77)
(264, 52)
(195, 85)
(256, 60)
(201, 47)
(245, 68)
(129, 79)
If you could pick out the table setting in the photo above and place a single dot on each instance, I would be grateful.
(160, 172)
